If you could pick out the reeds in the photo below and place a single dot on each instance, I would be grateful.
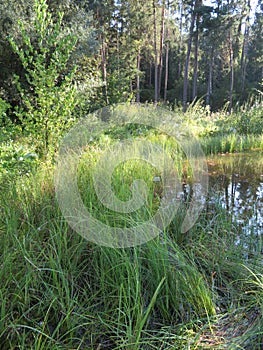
(178, 291)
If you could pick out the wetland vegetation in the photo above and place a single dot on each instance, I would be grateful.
(200, 289)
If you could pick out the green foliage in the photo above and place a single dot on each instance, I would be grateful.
(60, 291)
(116, 33)
(222, 131)
(118, 84)
(16, 160)
(49, 100)
(8, 131)
(10, 12)
(249, 120)
(4, 106)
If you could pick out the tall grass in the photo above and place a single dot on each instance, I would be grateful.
(178, 291)
(231, 143)
(221, 132)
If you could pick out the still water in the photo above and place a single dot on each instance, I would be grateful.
(236, 184)
(236, 180)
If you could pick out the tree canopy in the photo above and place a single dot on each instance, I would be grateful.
(161, 51)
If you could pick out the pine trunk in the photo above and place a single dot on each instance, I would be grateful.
(155, 55)
(194, 95)
(180, 41)
(104, 69)
(245, 49)
(138, 78)
(166, 71)
(210, 79)
(187, 60)
(231, 64)
(161, 52)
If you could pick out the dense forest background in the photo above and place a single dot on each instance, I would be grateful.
(172, 52)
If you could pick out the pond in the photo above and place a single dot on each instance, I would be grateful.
(236, 184)
(238, 180)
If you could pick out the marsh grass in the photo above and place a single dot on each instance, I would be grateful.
(58, 291)
(221, 132)
(231, 143)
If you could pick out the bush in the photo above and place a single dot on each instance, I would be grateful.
(16, 160)
(4, 106)
(49, 101)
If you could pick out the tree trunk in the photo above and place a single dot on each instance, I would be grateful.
(161, 51)
(180, 41)
(210, 78)
(187, 60)
(194, 95)
(118, 53)
(231, 64)
(155, 55)
(104, 69)
(245, 49)
(166, 71)
(138, 78)
(150, 75)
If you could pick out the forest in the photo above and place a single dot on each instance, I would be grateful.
(172, 52)
(131, 174)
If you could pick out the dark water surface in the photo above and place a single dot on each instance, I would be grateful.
(238, 180)
(236, 183)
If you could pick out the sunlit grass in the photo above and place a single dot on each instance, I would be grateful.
(231, 143)
(178, 291)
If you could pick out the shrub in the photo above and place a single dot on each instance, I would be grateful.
(49, 101)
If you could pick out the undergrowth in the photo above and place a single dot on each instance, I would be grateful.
(178, 291)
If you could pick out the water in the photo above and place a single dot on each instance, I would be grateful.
(236, 183)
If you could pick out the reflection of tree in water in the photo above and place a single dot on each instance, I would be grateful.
(236, 182)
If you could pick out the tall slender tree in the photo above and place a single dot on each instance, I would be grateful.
(196, 49)
(162, 32)
(167, 44)
(193, 8)
(247, 11)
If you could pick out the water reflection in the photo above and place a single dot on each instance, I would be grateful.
(236, 183)
(236, 180)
